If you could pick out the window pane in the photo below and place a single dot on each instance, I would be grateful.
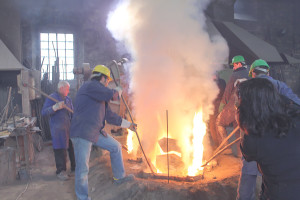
(52, 53)
(69, 45)
(44, 36)
(70, 76)
(69, 37)
(52, 61)
(44, 45)
(52, 37)
(70, 61)
(60, 37)
(61, 45)
(44, 53)
(70, 68)
(69, 53)
(61, 53)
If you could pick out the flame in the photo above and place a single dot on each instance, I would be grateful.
(130, 141)
(170, 152)
(193, 148)
(199, 131)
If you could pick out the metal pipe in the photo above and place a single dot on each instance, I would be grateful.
(220, 151)
(137, 135)
(227, 138)
(168, 145)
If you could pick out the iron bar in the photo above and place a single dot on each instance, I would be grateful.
(168, 145)
(226, 139)
(220, 151)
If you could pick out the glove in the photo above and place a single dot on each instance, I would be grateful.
(127, 124)
(119, 90)
(133, 127)
(58, 106)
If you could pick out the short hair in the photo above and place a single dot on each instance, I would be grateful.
(261, 108)
(98, 76)
(264, 70)
(62, 84)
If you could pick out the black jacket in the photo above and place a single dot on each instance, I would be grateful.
(278, 160)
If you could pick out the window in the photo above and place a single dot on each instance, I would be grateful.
(61, 46)
(245, 10)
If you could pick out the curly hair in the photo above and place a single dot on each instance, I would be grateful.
(262, 109)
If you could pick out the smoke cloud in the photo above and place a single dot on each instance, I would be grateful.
(174, 62)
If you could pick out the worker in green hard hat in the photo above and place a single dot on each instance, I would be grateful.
(227, 109)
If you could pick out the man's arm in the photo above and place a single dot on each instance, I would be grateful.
(48, 106)
(99, 92)
(111, 117)
(283, 89)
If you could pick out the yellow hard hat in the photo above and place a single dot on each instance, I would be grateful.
(103, 70)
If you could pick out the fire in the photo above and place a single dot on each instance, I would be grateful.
(192, 151)
(199, 131)
(130, 141)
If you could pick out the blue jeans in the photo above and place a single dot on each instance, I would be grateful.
(247, 181)
(82, 149)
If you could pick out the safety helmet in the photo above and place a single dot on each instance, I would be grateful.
(103, 70)
(237, 59)
(256, 65)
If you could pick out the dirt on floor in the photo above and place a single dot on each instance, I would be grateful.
(218, 183)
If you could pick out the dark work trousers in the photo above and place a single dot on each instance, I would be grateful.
(61, 158)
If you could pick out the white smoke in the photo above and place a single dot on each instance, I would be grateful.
(174, 62)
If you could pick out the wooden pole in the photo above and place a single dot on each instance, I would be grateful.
(46, 95)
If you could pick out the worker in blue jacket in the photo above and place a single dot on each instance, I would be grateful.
(247, 182)
(91, 111)
(60, 121)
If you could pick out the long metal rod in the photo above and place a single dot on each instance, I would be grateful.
(227, 138)
(137, 135)
(220, 151)
(46, 95)
(168, 145)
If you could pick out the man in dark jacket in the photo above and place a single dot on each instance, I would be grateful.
(227, 109)
(60, 120)
(91, 112)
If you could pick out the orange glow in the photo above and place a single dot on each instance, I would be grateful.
(130, 141)
(199, 130)
(190, 142)
(170, 152)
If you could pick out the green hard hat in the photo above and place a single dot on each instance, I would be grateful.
(237, 59)
(258, 63)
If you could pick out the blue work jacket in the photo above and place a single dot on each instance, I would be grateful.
(91, 110)
(283, 89)
(59, 121)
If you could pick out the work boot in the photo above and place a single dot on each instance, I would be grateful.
(62, 176)
(127, 178)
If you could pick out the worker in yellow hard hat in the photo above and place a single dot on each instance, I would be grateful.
(91, 111)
